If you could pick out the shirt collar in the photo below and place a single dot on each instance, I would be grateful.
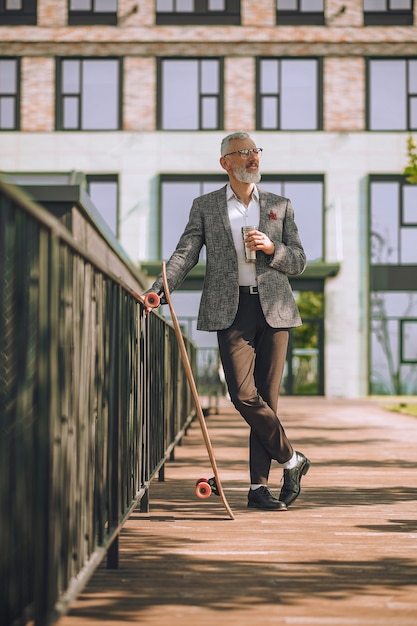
(231, 194)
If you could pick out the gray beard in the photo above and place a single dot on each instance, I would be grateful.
(243, 176)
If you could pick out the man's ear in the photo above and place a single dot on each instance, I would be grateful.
(225, 165)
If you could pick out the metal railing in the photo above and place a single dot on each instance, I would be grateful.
(93, 399)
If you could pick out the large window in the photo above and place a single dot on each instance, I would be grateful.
(300, 12)
(17, 12)
(393, 286)
(190, 94)
(9, 94)
(387, 12)
(206, 12)
(392, 94)
(305, 191)
(288, 94)
(88, 94)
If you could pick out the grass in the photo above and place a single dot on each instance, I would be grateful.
(405, 405)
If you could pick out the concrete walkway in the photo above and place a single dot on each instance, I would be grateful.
(344, 554)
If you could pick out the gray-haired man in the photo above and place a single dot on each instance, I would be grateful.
(249, 303)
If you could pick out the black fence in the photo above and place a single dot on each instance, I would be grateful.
(93, 400)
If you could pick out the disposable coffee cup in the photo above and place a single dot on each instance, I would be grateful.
(250, 255)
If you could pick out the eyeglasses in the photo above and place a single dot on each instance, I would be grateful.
(245, 153)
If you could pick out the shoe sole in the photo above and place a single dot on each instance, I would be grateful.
(254, 505)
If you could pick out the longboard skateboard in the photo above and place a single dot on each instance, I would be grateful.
(213, 484)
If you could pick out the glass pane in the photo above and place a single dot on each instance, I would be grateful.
(269, 80)
(105, 6)
(70, 113)
(104, 195)
(409, 341)
(374, 5)
(409, 246)
(384, 359)
(208, 186)
(100, 96)
(165, 5)
(307, 201)
(269, 112)
(7, 113)
(287, 5)
(387, 86)
(8, 71)
(273, 187)
(180, 112)
(176, 201)
(409, 204)
(413, 113)
(412, 77)
(209, 113)
(70, 77)
(185, 6)
(312, 6)
(14, 5)
(400, 5)
(210, 77)
(384, 222)
(217, 5)
(80, 5)
(299, 95)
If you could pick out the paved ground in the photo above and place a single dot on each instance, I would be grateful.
(344, 554)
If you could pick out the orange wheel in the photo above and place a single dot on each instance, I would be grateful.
(203, 490)
(152, 300)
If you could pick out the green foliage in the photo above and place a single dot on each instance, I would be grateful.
(410, 171)
(311, 306)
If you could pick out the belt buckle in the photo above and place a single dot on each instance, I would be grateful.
(253, 290)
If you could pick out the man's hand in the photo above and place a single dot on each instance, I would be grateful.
(255, 240)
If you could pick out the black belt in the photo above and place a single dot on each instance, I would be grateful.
(252, 290)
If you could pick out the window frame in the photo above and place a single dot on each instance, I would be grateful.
(201, 15)
(16, 96)
(389, 17)
(219, 96)
(297, 17)
(59, 96)
(92, 17)
(26, 16)
(408, 94)
(259, 96)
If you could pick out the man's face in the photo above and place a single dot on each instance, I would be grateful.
(243, 169)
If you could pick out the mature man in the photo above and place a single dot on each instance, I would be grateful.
(249, 303)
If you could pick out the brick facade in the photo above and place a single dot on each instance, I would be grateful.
(344, 94)
(343, 43)
(38, 94)
(139, 101)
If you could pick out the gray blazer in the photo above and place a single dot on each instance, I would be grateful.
(209, 225)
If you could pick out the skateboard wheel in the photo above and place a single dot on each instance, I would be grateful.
(202, 489)
(151, 300)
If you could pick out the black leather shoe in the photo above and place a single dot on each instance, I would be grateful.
(292, 477)
(262, 498)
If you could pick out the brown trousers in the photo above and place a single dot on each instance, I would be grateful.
(253, 357)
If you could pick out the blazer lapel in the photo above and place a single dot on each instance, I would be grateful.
(224, 215)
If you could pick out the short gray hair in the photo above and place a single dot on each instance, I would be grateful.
(240, 134)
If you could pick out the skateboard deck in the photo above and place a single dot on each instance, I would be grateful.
(213, 484)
